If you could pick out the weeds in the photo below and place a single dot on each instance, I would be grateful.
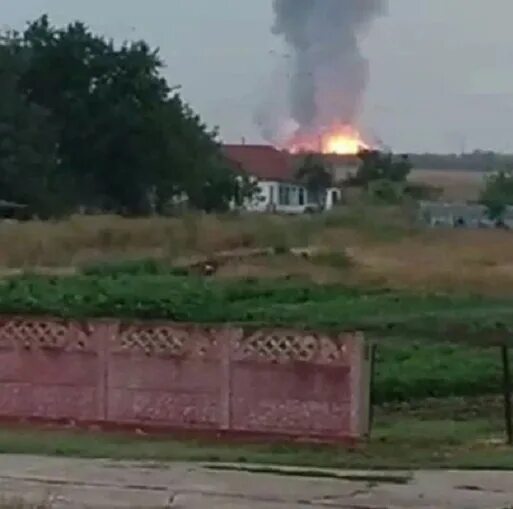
(383, 244)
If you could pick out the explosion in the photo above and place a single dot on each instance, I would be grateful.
(342, 140)
(324, 76)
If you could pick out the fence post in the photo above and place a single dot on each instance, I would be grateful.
(507, 393)
(372, 368)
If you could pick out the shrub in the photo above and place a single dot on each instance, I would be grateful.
(148, 267)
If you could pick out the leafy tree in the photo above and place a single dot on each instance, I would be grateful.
(316, 176)
(498, 194)
(28, 145)
(124, 143)
(378, 166)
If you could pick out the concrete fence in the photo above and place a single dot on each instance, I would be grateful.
(235, 381)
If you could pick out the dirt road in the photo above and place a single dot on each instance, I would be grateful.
(66, 483)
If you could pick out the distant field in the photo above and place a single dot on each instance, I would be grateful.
(457, 185)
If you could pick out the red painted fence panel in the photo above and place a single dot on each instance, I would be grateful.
(267, 382)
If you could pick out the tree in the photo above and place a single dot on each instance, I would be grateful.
(316, 176)
(124, 142)
(377, 166)
(498, 194)
(28, 145)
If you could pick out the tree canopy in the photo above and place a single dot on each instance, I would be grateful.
(88, 124)
(498, 194)
(376, 166)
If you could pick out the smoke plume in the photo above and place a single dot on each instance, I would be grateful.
(329, 73)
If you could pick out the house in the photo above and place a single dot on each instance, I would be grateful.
(342, 166)
(274, 172)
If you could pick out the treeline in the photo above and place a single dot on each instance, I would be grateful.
(86, 124)
(474, 161)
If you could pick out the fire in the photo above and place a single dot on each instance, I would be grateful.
(344, 143)
(343, 140)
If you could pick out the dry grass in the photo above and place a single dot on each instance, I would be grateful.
(82, 239)
(476, 261)
(18, 503)
(363, 245)
(456, 185)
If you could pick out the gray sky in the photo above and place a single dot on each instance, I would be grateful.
(441, 70)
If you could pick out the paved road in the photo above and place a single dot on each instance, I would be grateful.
(93, 483)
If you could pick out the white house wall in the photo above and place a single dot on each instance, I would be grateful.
(263, 199)
(269, 198)
(333, 198)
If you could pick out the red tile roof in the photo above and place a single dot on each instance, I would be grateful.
(333, 160)
(262, 161)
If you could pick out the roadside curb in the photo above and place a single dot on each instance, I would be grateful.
(364, 476)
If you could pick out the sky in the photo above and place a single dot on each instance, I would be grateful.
(441, 70)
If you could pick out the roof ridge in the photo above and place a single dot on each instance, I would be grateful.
(252, 145)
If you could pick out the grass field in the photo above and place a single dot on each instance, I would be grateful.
(455, 185)
(449, 434)
(362, 245)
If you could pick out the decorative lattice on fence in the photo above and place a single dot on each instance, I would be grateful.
(41, 334)
(286, 346)
(166, 340)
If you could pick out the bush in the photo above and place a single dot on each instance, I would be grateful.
(148, 267)
(418, 370)
(335, 259)
(386, 191)
(150, 290)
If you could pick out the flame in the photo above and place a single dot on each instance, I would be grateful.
(342, 140)
(344, 143)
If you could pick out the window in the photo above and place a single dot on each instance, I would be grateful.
(284, 197)
(301, 196)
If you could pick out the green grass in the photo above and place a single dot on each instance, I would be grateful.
(407, 371)
(403, 439)
(148, 267)
(378, 311)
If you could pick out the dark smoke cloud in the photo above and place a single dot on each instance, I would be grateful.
(329, 73)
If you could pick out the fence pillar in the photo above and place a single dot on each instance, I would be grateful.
(229, 339)
(104, 333)
(360, 379)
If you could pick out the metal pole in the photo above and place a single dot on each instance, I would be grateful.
(507, 394)
(372, 368)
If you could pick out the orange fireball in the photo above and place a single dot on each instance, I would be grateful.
(344, 143)
(342, 140)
